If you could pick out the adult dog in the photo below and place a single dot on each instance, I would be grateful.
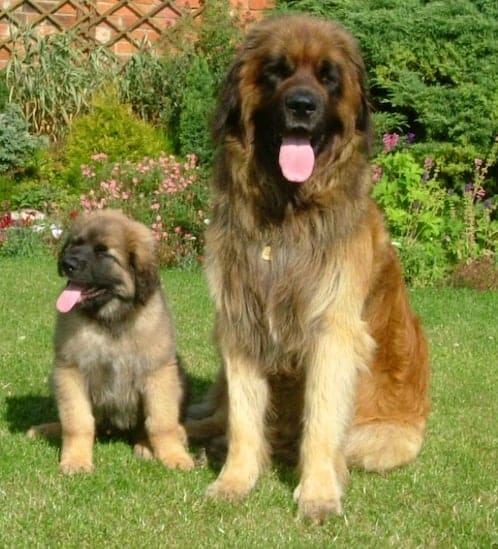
(115, 353)
(321, 351)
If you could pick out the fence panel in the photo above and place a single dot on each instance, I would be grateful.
(122, 26)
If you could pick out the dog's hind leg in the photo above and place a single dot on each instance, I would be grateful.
(383, 445)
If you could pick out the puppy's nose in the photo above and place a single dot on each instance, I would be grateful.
(301, 104)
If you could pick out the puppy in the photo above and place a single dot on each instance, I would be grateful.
(116, 366)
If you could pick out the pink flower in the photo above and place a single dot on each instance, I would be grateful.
(390, 141)
(376, 173)
(99, 156)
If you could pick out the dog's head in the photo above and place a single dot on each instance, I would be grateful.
(296, 95)
(110, 263)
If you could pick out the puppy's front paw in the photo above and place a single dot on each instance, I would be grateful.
(317, 503)
(318, 510)
(71, 466)
(229, 488)
(142, 450)
(178, 459)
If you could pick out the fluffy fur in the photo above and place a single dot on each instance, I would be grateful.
(323, 358)
(115, 364)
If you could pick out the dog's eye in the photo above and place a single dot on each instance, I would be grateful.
(275, 71)
(329, 75)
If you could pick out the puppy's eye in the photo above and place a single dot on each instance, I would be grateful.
(100, 249)
(275, 71)
(329, 76)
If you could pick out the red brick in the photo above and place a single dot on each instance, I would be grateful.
(260, 4)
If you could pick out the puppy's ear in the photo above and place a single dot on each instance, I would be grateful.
(227, 119)
(143, 261)
(61, 255)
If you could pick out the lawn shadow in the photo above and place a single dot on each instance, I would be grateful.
(27, 410)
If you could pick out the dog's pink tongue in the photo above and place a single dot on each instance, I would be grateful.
(296, 159)
(70, 296)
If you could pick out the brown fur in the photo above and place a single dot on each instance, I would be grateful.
(322, 354)
(115, 364)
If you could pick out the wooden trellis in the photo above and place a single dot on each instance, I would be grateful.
(121, 26)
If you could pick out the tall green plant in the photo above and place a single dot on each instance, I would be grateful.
(177, 89)
(53, 79)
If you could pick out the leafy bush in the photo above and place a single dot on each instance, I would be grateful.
(434, 229)
(432, 69)
(17, 146)
(167, 195)
(53, 78)
(110, 126)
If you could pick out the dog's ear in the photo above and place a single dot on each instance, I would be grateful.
(227, 120)
(143, 261)
(363, 118)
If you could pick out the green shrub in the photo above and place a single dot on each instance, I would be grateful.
(53, 78)
(17, 146)
(109, 127)
(196, 109)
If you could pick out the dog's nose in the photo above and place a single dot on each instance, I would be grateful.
(301, 104)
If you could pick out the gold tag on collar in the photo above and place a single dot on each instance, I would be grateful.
(266, 253)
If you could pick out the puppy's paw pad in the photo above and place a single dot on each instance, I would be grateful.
(228, 490)
(317, 511)
(179, 460)
(75, 467)
(142, 451)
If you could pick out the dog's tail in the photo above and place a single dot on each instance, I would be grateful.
(383, 445)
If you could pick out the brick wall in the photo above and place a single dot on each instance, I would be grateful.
(120, 25)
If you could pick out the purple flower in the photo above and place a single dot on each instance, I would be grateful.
(410, 138)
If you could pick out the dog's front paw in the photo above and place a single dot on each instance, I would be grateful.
(317, 505)
(71, 466)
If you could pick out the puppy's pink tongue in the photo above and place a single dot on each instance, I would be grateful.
(296, 159)
(70, 296)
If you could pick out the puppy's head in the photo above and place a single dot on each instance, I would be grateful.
(110, 263)
(296, 93)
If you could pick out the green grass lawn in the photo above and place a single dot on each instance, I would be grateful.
(447, 498)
